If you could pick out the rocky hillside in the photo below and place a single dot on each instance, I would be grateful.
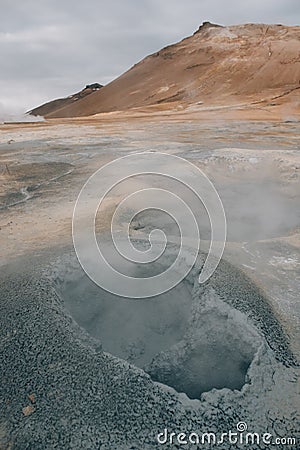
(216, 66)
(55, 105)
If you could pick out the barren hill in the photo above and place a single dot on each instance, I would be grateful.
(55, 105)
(216, 66)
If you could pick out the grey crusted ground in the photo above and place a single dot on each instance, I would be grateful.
(87, 399)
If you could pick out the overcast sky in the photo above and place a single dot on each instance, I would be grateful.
(52, 48)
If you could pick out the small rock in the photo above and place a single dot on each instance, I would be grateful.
(31, 398)
(28, 410)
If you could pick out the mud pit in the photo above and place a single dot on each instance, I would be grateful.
(190, 341)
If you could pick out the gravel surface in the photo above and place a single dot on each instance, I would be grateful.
(87, 399)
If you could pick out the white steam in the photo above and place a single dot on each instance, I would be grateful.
(11, 114)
